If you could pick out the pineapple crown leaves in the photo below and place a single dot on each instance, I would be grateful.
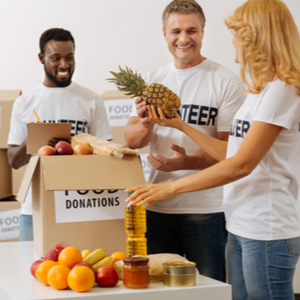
(128, 81)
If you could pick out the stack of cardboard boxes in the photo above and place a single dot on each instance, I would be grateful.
(9, 208)
(76, 199)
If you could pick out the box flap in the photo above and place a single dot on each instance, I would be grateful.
(27, 179)
(9, 94)
(40, 133)
(91, 172)
(111, 95)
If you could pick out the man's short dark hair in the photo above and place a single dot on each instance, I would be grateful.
(57, 34)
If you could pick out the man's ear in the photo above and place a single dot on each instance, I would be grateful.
(164, 32)
(41, 58)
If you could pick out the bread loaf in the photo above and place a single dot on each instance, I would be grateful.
(102, 147)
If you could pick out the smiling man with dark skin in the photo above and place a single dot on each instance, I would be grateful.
(59, 63)
(190, 224)
(56, 100)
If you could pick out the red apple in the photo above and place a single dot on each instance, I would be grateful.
(83, 149)
(46, 150)
(63, 148)
(54, 252)
(52, 255)
(34, 266)
(107, 276)
(84, 263)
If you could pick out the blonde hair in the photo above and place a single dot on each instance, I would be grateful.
(269, 43)
(184, 7)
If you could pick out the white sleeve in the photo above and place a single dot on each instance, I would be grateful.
(18, 128)
(99, 125)
(279, 106)
(232, 100)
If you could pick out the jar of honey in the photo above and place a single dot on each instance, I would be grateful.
(136, 272)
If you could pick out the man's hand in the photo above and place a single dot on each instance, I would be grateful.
(54, 141)
(141, 109)
(177, 162)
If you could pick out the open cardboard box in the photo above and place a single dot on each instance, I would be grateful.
(80, 199)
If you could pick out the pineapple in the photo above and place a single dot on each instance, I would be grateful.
(154, 94)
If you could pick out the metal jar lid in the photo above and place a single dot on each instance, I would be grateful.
(136, 260)
(179, 268)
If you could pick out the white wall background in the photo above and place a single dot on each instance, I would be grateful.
(107, 33)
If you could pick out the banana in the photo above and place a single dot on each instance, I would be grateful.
(106, 261)
(95, 256)
(85, 253)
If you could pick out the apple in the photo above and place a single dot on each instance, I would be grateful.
(63, 148)
(46, 150)
(83, 149)
(34, 266)
(54, 252)
(52, 255)
(107, 276)
(84, 263)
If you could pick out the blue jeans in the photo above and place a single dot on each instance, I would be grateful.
(201, 238)
(261, 269)
(26, 228)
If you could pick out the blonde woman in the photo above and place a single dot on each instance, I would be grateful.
(260, 165)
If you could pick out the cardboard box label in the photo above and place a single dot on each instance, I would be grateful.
(118, 111)
(146, 165)
(9, 224)
(90, 205)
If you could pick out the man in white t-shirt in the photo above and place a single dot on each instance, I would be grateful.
(193, 224)
(56, 100)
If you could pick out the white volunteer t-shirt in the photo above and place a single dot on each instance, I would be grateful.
(209, 99)
(262, 205)
(73, 104)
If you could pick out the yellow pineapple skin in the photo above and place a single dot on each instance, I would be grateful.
(160, 96)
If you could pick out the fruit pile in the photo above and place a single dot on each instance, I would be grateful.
(67, 267)
(64, 148)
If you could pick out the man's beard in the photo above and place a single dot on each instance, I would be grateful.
(56, 82)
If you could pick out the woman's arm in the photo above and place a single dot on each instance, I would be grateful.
(257, 142)
(214, 147)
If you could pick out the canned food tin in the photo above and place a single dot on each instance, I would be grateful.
(179, 274)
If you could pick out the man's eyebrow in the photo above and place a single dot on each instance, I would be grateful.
(177, 28)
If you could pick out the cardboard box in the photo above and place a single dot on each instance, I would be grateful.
(17, 177)
(5, 175)
(9, 220)
(118, 108)
(36, 141)
(7, 98)
(50, 174)
(38, 134)
(80, 199)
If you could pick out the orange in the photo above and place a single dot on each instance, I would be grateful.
(116, 256)
(70, 256)
(43, 269)
(58, 277)
(81, 279)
